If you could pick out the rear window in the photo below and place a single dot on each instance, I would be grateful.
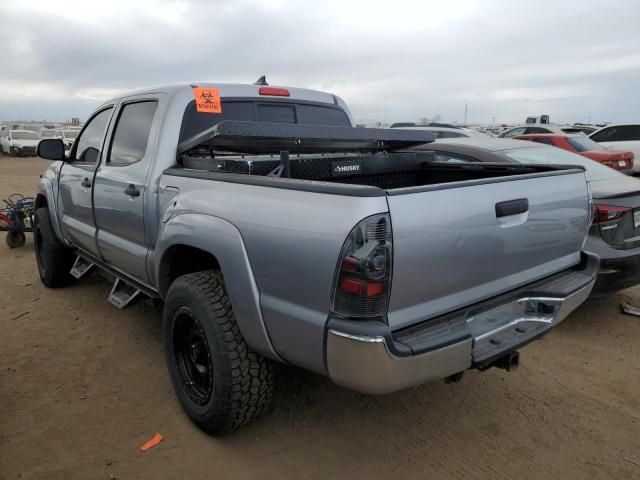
(194, 122)
(584, 144)
(316, 115)
(276, 113)
(557, 156)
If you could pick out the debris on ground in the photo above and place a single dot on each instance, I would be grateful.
(152, 443)
(630, 309)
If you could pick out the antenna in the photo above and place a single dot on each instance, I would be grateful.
(261, 81)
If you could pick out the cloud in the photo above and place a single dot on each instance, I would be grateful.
(390, 60)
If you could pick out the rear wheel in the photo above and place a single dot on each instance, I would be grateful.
(221, 383)
(54, 259)
(15, 239)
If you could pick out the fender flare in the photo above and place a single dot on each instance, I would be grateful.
(222, 240)
(45, 189)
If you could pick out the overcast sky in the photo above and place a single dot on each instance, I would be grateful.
(390, 60)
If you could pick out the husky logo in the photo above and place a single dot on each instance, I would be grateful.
(345, 168)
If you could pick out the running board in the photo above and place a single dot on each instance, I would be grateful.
(80, 267)
(122, 293)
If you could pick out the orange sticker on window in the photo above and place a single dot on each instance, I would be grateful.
(207, 100)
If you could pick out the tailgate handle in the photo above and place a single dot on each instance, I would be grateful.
(512, 207)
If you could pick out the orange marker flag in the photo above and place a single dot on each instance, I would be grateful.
(207, 100)
(152, 443)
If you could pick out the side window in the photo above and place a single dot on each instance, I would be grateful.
(90, 142)
(621, 133)
(546, 141)
(131, 134)
(628, 132)
(513, 132)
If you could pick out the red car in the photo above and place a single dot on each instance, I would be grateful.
(584, 146)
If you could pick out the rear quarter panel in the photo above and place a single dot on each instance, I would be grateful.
(292, 240)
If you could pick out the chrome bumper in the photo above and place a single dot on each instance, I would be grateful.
(367, 363)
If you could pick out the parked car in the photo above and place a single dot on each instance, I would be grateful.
(622, 161)
(19, 142)
(537, 128)
(621, 136)
(615, 233)
(50, 133)
(280, 242)
(69, 136)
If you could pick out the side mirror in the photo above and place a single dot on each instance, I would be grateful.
(51, 149)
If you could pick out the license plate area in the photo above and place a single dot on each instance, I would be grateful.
(622, 163)
(506, 326)
(636, 218)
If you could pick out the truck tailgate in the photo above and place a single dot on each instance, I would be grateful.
(460, 243)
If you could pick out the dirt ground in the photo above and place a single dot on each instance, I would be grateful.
(83, 385)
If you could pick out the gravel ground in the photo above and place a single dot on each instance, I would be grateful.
(83, 385)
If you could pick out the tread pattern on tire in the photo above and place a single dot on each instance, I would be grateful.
(250, 379)
(59, 258)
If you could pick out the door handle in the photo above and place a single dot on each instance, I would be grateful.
(512, 207)
(132, 191)
(86, 183)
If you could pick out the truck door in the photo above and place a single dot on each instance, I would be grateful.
(76, 179)
(120, 191)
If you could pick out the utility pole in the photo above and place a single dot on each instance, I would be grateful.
(465, 113)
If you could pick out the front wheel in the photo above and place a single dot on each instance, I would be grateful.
(221, 383)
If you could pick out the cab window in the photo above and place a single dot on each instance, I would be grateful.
(89, 145)
(131, 134)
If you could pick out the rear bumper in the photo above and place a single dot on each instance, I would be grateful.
(366, 356)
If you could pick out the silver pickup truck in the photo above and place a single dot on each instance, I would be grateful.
(274, 231)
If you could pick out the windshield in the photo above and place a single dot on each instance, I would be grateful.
(584, 144)
(557, 156)
(48, 133)
(70, 133)
(24, 135)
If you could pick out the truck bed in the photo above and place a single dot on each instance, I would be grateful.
(462, 232)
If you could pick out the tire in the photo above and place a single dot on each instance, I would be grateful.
(221, 383)
(15, 239)
(54, 259)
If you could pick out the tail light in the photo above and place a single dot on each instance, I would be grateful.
(363, 276)
(608, 213)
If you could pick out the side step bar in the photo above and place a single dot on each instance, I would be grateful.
(122, 293)
(124, 290)
(81, 267)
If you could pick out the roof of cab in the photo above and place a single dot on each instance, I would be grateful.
(238, 90)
